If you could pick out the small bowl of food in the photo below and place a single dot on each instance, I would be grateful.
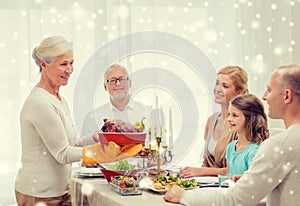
(109, 174)
(125, 185)
(122, 168)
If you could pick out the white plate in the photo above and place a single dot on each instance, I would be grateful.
(148, 184)
(206, 179)
(162, 191)
(88, 172)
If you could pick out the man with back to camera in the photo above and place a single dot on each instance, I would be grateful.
(275, 170)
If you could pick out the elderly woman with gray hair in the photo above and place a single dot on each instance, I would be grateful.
(48, 136)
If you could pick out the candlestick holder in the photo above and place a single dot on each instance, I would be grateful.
(160, 154)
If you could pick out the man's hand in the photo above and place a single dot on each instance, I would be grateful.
(236, 177)
(174, 194)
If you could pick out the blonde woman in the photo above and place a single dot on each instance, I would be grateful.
(231, 81)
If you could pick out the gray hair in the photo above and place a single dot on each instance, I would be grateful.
(50, 48)
(114, 66)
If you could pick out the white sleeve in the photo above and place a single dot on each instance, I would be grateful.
(263, 175)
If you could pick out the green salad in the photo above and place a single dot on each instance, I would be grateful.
(122, 165)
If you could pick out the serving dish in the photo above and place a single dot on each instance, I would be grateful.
(122, 138)
(126, 191)
(162, 183)
(125, 185)
(163, 191)
(108, 174)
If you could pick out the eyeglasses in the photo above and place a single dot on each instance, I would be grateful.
(122, 80)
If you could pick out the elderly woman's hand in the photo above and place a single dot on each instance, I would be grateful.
(174, 194)
(96, 136)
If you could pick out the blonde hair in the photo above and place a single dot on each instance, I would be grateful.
(50, 48)
(238, 75)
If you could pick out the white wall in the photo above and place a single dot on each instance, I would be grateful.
(258, 35)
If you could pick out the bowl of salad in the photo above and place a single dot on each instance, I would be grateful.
(123, 168)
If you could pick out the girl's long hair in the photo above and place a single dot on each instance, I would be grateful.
(256, 123)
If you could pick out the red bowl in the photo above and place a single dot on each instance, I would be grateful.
(108, 174)
(122, 138)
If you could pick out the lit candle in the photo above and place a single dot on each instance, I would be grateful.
(170, 129)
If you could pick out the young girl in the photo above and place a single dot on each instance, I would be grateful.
(247, 118)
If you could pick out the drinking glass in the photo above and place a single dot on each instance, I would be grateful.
(176, 170)
(225, 180)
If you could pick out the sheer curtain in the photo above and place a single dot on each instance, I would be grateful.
(258, 35)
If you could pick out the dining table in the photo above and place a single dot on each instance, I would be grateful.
(96, 191)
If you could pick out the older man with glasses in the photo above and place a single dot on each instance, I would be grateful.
(120, 106)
